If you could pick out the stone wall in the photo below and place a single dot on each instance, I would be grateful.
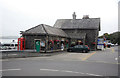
(91, 36)
(30, 41)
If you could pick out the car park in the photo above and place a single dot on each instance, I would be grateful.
(79, 48)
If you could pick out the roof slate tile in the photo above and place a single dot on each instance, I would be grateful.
(91, 23)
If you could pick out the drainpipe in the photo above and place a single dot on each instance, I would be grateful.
(45, 38)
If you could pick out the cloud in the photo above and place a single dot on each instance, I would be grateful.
(20, 15)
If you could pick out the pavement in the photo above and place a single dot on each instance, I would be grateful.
(5, 54)
(95, 63)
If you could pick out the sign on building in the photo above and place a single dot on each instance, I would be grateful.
(100, 44)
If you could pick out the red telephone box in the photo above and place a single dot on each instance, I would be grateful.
(21, 43)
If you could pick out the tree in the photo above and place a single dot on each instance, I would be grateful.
(114, 37)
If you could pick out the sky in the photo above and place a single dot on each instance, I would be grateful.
(20, 15)
(119, 16)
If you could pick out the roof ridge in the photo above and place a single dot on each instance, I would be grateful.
(43, 25)
(32, 28)
(78, 19)
(51, 26)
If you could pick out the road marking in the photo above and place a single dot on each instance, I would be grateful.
(93, 74)
(49, 70)
(101, 62)
(42, 57)
(9, 69)
(116, 58)
(4, 60)
(117, 63)
(69, 72)
(113, 50)
(76, 72)
(85, 58)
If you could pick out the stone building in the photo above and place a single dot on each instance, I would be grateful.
(83, 30)
(50, 38)
(68, 32)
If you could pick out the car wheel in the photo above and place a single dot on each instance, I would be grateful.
(70, 50)
(67, 50)
(86, 51)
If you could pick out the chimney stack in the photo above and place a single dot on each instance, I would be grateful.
(74, 15)
(85, 16)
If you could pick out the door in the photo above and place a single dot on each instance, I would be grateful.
(19, 45)
(81, 48)
(76, 48)
(37, 45)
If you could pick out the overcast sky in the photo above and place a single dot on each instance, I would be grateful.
(20, 15)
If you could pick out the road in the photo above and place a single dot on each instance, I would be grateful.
(94, 63)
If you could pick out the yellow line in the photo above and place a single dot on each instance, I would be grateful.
(85, 58)
(117, 63)
(113, 50)
(101, 62)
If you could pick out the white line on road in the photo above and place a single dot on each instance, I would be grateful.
(9, 69)
(49, 70)
(76, 72)
(3, 60)
(116, 58)
(93, 74)
(69, 72)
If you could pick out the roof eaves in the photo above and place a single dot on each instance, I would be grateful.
(33, 34)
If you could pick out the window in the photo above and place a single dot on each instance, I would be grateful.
(76, 47)
(80, 46)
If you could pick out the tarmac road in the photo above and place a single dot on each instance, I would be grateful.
(95, 63)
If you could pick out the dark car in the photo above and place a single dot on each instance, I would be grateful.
(78, 48)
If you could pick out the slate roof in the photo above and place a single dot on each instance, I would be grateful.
(35, 30)
(91, 23)
(77, 36)
(45, 29)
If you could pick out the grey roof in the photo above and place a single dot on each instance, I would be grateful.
(45, 29)
(91, 23)
(77, 36)
(55, 31)
(35, 30)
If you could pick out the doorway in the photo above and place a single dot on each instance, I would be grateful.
(37, 45)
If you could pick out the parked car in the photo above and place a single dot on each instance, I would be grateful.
(3, 48)
(78, 48)
(109, 45)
